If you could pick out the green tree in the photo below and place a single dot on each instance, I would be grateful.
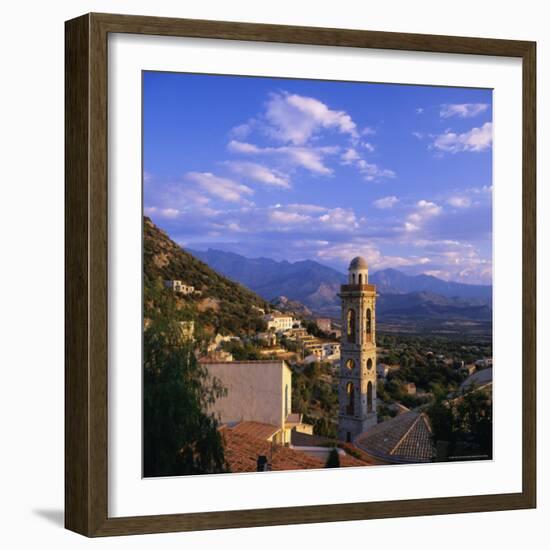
(333, 460)
(179, 435)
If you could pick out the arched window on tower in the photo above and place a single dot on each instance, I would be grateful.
(369, 397)
(351, 326)
(350, 363)
(360, 281)
(369, 321)
(350, 399)
(369, 363)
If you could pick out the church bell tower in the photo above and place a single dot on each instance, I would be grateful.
(357, 380)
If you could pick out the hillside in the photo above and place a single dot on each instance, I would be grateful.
(222, 305)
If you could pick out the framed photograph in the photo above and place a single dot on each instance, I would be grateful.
(300, 275)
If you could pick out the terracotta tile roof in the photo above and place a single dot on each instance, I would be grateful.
(258, 430)
(347, 461)
(403, 439)
(353, 457)
(242, 451)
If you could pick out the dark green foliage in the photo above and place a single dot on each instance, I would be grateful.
(315, 395)
(242, 352)
(464, 424)
(333, 460)
(314, 330)
(179, 436)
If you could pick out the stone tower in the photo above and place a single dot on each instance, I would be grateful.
(357, 380)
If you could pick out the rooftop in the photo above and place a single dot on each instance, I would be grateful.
(255, 429)
(480, 378)
(403, 439)
(242, 451)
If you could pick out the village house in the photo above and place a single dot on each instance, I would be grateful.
(382, 370)
(179, 287)
(484, 363)
(468, 369)
(279, 322)
(257, 391)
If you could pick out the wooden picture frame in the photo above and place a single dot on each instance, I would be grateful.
(86, 282)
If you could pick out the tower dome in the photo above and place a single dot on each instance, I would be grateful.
(358, 263)
(358, 271)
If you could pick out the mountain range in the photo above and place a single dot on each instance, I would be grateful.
(316, 286)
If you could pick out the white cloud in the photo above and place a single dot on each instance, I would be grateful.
(342, 219)
(375, 258)
(296, 119)
(242, 131)
(166, 213)
(373, 172)
(310, 158)
(368, 131)
(349, 156)
(368, 146)
(284, 217)
(423, 211)
(222, 188)
(418, 135)
(260, 173)
(475, 140)
(386, 202)
(309, 218)
(305, 208)
(460, 201)
(462, 110)
(236, 146)
(419, 110)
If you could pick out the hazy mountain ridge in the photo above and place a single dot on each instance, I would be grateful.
(316, 286)
(392, 281)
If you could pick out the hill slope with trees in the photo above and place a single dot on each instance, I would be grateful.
(220, 305)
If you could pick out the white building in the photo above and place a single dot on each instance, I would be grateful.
(279, 322)
(179, 287)
(382, 370)
(259, 391)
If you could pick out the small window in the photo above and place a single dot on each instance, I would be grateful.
(369, 364)
(350, 363)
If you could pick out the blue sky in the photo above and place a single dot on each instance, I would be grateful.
(307, 169)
